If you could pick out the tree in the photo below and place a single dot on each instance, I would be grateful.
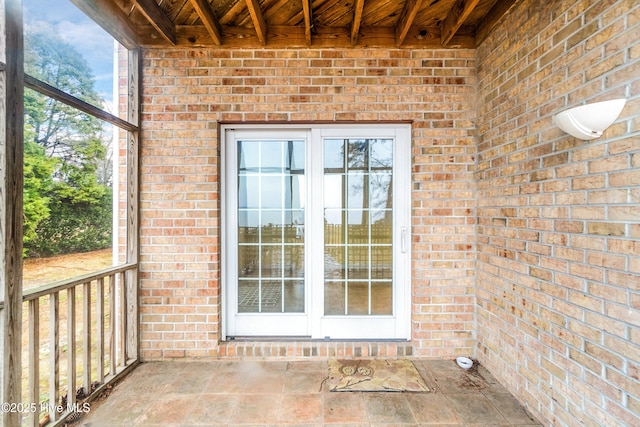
(38, 168)
(67, 202)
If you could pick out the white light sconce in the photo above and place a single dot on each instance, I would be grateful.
(589, 121)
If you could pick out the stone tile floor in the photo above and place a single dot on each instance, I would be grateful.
(295, 393)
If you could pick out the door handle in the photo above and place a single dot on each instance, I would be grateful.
(403, 239)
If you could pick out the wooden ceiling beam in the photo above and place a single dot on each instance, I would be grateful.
(409, 12)
(210, 22)
(158, 19)
(258, 20)
(358, 8)
(293, 37)
(456, 17)
(306, 11)
(491, 20)
(111, 18)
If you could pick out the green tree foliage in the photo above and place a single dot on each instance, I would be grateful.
(38, 168)
(67, 206)
(72, 227)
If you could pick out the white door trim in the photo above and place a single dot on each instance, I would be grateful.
(313, 323)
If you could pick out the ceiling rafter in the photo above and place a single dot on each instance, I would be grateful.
(158, 19)
(110, 17)
(409, 12)
(308, 21)
(210, 22)
(456, 17)
(298, 23)
(358, 8)
(258, 20)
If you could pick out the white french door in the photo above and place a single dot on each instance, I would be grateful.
(316, 227)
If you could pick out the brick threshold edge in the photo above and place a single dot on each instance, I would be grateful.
(314, 349)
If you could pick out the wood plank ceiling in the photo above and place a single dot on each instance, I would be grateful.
(297, 23)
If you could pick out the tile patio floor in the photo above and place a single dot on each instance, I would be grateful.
(295, 393)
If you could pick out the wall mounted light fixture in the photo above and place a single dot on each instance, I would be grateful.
(589, 121)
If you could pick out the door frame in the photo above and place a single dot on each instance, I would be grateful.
(317, 324)
(287, 324)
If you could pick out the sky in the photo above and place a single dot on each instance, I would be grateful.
(77, 29)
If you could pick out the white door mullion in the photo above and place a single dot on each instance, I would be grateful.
(316, 237)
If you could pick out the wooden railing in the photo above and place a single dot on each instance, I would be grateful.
(104, 340)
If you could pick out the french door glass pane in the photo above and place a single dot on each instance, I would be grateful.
(271, 194)
(358, 226)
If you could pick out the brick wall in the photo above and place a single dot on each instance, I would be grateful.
(558, 284)
(187, 92)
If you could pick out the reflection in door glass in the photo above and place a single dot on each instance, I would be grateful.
(358, 226)
(271, 194)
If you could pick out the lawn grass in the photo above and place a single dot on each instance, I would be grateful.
(40, 271)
